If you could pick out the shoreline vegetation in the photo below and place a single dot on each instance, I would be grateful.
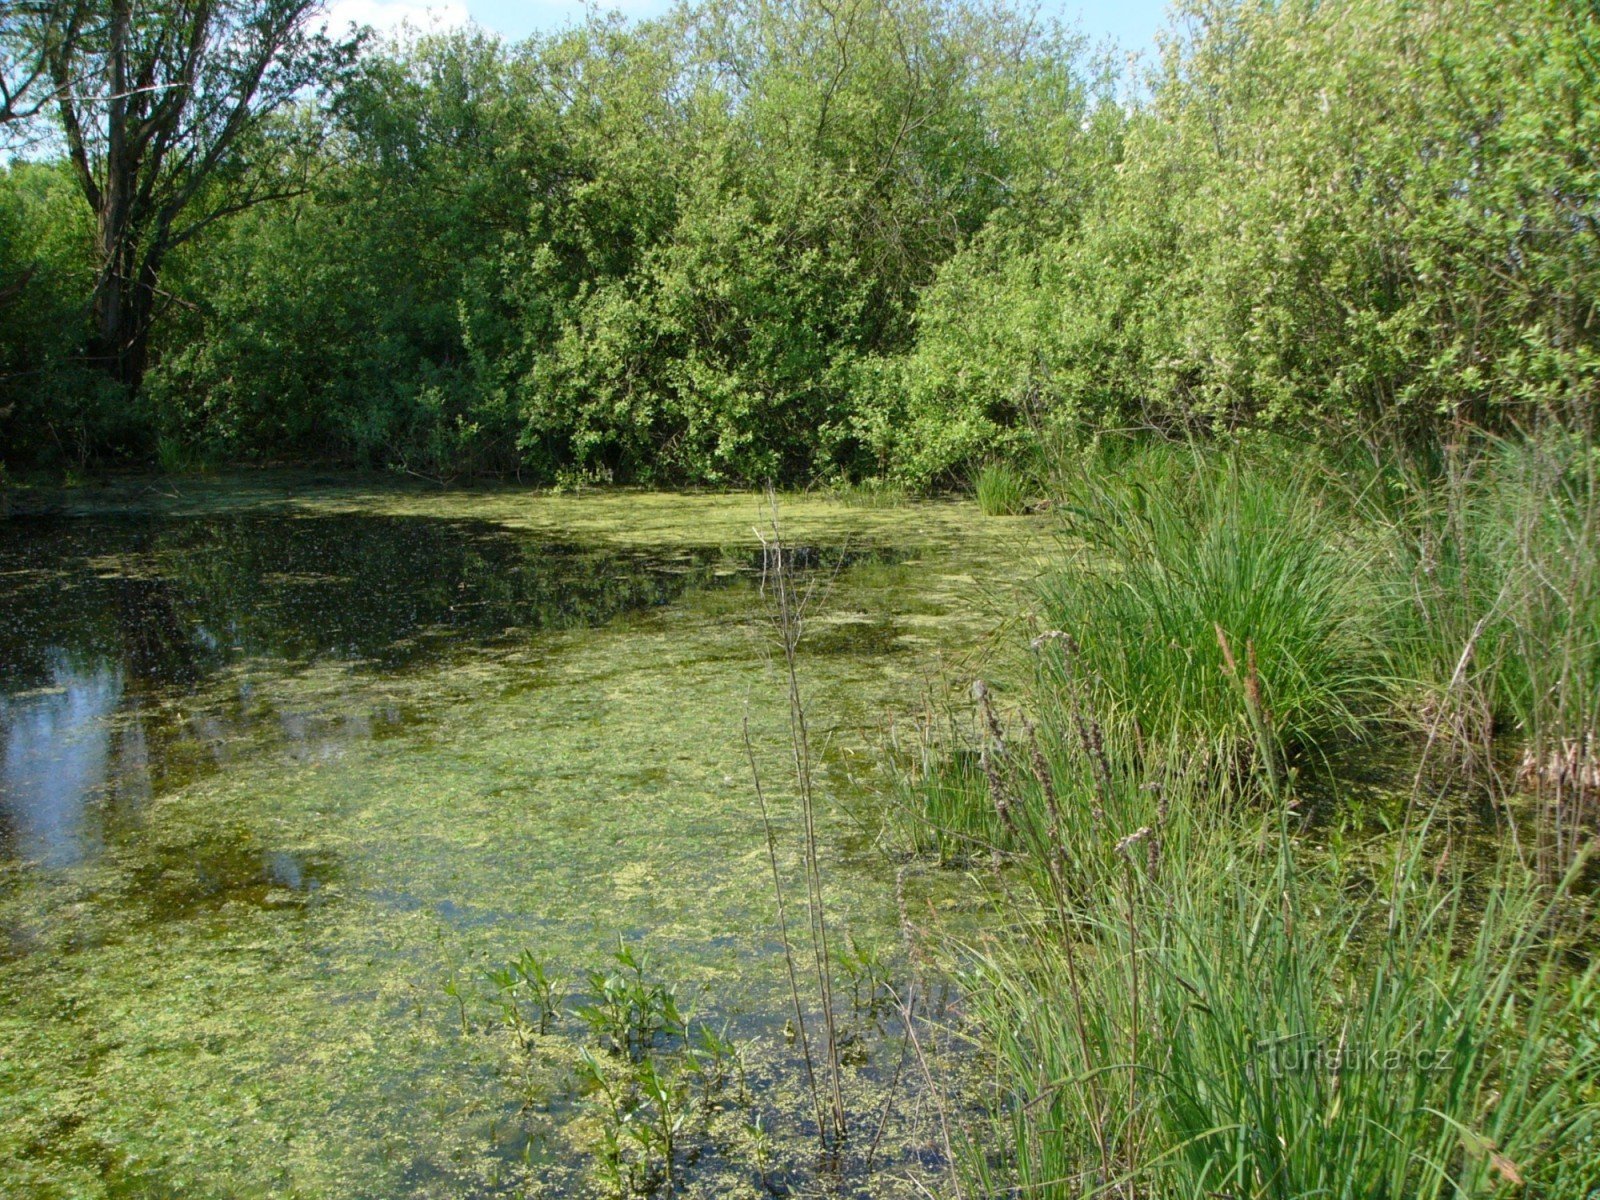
(895, 245)
(1213, 955)
(1218, 976)
(1281, 782)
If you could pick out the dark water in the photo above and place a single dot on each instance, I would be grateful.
(106, 625)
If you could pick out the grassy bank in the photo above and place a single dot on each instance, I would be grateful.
(1221, 979)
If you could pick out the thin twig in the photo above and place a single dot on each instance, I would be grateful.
(783, 930)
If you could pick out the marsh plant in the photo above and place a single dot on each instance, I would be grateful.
(1001, 490)
(941, 775)
(626, 1010)
(654, 1082)
(1199, 1000)
(529, 995)
(1264, 604)
(1491, 573)
(869, 493)
(645, 1115)
(867, 974)
(1182, 556)
(790, 604)
(1204, 991)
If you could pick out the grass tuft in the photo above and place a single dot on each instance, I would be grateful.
(1198, 994)
(1201, 1002)
(1002, 491)
(1491, 563)
(1214, 597)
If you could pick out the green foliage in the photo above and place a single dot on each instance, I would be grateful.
(659, 252)
(526, 984)
(1490, 558)
(1208, 994)
(661, 1076)
(1215, 1009)
(53, 411)
(340, 324)
(1205, 997)
(863, 241)
(1334, 216)
(626, 1011)
(873, 492)
(942, 791)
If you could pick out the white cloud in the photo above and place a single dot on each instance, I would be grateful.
(388, 15)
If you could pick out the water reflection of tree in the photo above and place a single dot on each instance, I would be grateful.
(199, 608)
(55, 753)
(158, 644)
(170, 600)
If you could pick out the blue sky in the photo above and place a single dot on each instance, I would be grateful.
(1133, 23)
(1130, 23)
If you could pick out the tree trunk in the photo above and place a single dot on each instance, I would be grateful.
(116, 298)
(154, 100)
(124, 309)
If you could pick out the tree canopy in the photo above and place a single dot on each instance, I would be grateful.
(809, 239)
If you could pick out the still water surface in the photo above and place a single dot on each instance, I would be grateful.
(282, 767)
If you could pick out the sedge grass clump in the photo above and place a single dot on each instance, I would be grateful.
(1249, 1024)
(1201, 1004)
(1215, 597)
(948, 813)
(1001, 490)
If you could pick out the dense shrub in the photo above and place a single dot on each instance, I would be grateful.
(656, 252)
(1327, 215)
(53, 410)
(866, 240)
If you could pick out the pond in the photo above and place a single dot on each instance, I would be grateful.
(289, 765)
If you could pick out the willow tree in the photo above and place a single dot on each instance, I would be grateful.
(165, 109)
(28, 30)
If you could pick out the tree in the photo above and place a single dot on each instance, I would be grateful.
(25, 85)
(165, 110)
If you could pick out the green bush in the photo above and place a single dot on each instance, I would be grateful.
(747, 241)
(1326, 218)
(55, 410)
(660, 252)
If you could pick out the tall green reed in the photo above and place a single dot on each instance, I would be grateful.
(1001, 490)
(1196, 997)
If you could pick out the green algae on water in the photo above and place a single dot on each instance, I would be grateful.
(283, 763)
